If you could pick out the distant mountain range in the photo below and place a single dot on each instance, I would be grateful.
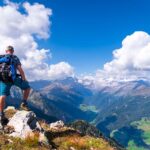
(111, 108)
(119, 105)
(59, 99)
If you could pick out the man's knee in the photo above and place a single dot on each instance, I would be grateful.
(2, 98)
(28, 89)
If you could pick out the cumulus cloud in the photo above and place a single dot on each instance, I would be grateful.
(22, 29)
(59, 71)
(130, 62)
(8, 2)
(133, 55)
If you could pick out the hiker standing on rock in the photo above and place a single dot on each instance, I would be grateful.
(9, 65)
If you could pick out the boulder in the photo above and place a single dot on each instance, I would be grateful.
(24, 123)
(57, 125)
(10, 108)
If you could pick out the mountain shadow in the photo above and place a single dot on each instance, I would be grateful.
(103, 126)
(130, 133)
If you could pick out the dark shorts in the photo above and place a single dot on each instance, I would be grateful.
(5, 87)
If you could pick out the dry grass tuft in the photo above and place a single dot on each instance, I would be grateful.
(82, 143)
(30, 143)
(9, 113)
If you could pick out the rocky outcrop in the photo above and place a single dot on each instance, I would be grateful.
(57, 125)
(37, 134)
(24, 123)
(85, 128)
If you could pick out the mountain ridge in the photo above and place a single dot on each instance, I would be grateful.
(22, 130)
(109, 108)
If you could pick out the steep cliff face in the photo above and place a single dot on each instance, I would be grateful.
(22, 130)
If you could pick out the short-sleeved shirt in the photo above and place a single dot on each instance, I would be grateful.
(5, 87)
(16, 60)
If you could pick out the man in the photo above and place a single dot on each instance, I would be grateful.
(20, 82)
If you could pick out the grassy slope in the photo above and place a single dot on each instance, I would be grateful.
(10, 143)
(62, 139)
(62, 143)
(137, 140)
(68, 138)
(85, 107)
(144, 125)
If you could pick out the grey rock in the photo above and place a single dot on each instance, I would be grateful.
(57, 125)
(24, 124)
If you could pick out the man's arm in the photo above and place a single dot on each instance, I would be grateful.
(19, 68)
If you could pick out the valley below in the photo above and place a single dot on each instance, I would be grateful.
(120, 111)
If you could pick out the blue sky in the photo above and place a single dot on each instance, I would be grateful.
(85, 32)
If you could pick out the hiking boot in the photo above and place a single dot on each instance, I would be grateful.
(24, 106)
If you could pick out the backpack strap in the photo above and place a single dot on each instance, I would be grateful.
(4, 60)
(13, 68)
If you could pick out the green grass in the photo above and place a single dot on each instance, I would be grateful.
(132, 146)
(146, 136)
(144, 125)
(85, 107)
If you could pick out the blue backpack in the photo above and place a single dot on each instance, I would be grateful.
(7, 69)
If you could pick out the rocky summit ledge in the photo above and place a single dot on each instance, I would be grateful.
(24, 131)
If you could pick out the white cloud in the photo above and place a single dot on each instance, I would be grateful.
(8, 2)
(61, 70)
(130, 62)
(134, 54)
(53, 72)
(22, 29)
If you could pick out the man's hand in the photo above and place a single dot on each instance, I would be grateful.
(24, 79)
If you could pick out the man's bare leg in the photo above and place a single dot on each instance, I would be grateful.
(26, 94)
(2, 103)
(24, 104)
